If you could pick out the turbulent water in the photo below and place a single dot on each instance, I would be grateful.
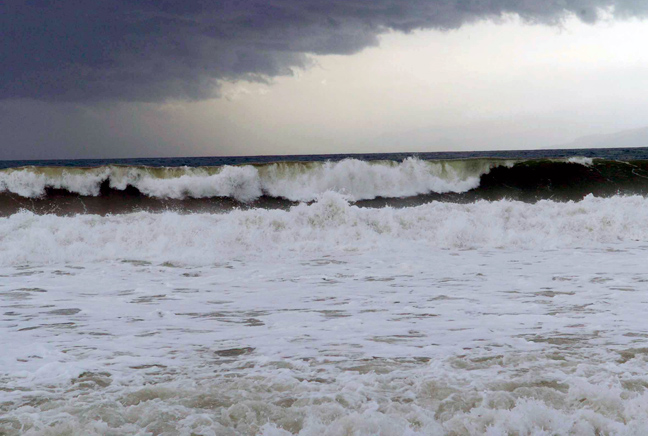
(433, 295)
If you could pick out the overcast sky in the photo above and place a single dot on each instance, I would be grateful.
(101, 79)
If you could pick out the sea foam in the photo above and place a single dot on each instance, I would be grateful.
(330, 223)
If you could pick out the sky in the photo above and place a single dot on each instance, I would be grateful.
(113, 79)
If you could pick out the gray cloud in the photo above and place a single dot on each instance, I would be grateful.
(154, 50)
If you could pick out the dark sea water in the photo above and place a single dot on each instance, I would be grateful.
(600, 153)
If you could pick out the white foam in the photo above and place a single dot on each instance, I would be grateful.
(330, 223)
(487, 318)
(360, 180)
(31, 182)
(241, 183)
(404, 339)
(585, 161)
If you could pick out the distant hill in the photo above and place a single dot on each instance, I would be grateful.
(504, 135)
(624, 139)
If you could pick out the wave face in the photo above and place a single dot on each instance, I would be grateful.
(330, 224)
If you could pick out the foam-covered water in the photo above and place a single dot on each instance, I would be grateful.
(491, 317)
(328, 224)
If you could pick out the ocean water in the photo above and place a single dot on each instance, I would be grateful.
(438, 294)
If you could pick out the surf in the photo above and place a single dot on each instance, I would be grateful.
(408, 182)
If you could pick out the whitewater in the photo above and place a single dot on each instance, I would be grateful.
(326, 315)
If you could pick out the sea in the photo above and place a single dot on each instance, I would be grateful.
(484, 293)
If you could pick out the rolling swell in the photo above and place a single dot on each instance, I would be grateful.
(121, 189)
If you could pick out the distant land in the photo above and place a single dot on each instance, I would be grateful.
(505, 135)
(624, 139)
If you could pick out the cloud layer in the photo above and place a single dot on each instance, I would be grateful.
(155, 50)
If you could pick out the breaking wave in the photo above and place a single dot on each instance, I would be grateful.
(295, 181)
(410, 182)
(331, 223)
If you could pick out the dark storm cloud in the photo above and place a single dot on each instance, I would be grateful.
(134, 50)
